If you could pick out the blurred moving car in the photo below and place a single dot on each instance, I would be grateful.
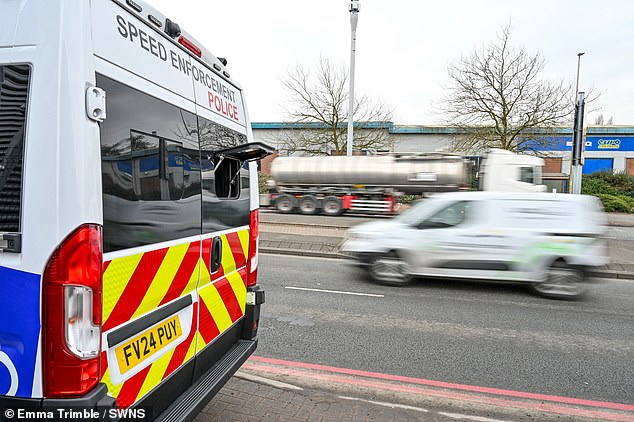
(550, 241)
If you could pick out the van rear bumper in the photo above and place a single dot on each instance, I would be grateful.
(96, 400)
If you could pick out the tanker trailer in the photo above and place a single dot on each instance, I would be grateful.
(369, 184)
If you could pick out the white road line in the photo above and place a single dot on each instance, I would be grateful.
(266, 381)
(469, 417)
(333, 291)
(380, 403)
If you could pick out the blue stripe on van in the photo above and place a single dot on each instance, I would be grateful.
(19, 330)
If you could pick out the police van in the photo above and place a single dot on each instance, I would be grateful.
(128, 212)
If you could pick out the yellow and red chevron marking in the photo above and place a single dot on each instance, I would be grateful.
(222, 295)
(137, 284)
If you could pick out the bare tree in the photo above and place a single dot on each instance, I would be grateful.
(318, 112)
(498, 100)
(600, 121)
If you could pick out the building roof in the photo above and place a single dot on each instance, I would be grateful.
(439, 130)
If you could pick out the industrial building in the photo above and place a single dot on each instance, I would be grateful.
(606, 147)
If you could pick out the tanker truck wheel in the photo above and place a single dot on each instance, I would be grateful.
(332, 205)
(308, 205)
(285, 203)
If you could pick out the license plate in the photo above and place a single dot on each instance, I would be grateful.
(146, 344)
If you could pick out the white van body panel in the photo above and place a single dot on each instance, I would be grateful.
(56, 50)
(506, 236)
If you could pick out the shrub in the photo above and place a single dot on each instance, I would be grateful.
(606, 182)
(596, 186)
(407, 199)
(617, 203)
(263, 182)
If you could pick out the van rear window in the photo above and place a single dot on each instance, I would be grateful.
(14, 89)
(159, 175)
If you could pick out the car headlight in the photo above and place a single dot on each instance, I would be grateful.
(360, 236)
(353, 236)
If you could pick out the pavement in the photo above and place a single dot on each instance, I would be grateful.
(267, 389)
(298, 235)
(246, 399)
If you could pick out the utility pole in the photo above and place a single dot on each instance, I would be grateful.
(577, 144)
(576, 171)
(353, 8)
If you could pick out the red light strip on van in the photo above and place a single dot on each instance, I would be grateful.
(190, 46)
(252, 259)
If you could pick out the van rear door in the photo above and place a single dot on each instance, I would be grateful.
(226, 212)
(150, 170)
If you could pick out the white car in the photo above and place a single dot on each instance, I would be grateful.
(548, 240)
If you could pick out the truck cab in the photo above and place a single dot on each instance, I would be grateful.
(504, 171)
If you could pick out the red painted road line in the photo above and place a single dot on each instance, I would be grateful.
(545, 407)
(442, 384)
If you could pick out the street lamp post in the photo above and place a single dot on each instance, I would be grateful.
(578, 66)
(577, 135)
(353, 8)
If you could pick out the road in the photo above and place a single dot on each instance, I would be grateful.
(479, 334)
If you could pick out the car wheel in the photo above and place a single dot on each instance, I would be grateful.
(390, 269)
(562, 281)
(308, 205)
(285, 203)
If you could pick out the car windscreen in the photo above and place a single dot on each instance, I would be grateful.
(420, 211)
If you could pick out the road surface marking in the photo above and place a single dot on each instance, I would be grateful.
(392, 405)
(451, 395)
(267, 381)
(333, 291)
(443, 384)
(469, 417)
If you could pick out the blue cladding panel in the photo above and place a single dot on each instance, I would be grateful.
(593, 143)
(19, 330)
(591, 165)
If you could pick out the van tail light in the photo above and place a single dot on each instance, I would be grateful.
(188, 44)
(71, 314)
(252, 261)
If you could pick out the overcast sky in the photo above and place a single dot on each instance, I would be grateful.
(404, 47)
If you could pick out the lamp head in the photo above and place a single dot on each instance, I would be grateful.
(354, 6)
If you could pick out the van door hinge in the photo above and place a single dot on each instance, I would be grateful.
(96, 104)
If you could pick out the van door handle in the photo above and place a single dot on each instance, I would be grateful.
(216, 254)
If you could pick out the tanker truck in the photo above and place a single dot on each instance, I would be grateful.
(372, 184)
